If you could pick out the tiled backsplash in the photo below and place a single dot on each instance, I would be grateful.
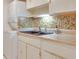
(66, 21)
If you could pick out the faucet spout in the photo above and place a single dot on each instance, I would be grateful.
(39, 28)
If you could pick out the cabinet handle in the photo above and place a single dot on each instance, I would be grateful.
(21, 51)
(30, 0)
(39, 53)
(49, 1)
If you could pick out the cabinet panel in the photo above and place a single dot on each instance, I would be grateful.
(32, 52)
(22, 51)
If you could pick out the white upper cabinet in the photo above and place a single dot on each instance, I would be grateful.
(35, 3)
(12, 9)
(60, 6)
(21, 9)
(28, 4)
(18, 8)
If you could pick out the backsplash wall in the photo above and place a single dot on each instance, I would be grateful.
(66, 21)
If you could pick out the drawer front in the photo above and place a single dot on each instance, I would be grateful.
(35, 42)
(24, 39)
(30, 40)
(65, 51)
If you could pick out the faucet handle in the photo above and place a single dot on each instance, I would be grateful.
(58, 31)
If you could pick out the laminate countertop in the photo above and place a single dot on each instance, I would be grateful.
(69, 39)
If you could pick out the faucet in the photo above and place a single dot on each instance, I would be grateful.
(39, 29)
(45, 29)
(57, 31)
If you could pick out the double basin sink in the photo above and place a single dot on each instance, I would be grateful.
(36, 32)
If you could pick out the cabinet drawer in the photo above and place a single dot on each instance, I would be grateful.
(65, 51)
(24, 39)
(35, 42)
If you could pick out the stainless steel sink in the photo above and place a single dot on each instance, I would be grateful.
(36, 32)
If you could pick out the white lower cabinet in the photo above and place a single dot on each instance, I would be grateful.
(60, 6)
(33, 52)
(38, 49)
(22, 51)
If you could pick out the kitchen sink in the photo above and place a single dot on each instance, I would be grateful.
(36, 32)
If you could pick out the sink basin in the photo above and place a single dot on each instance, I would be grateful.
(36, 32)
(45, 33)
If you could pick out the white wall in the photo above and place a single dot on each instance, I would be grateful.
(5, 16)
(5, 27)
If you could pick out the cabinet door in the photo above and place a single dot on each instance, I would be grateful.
(35, 3)
(28, 4)
(12, 9)
(46, 55)
(32, 52)
(59, 6)
(21, 50)
(17, 8)
(21, 8)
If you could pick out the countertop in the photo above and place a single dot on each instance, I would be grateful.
(62, 38)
